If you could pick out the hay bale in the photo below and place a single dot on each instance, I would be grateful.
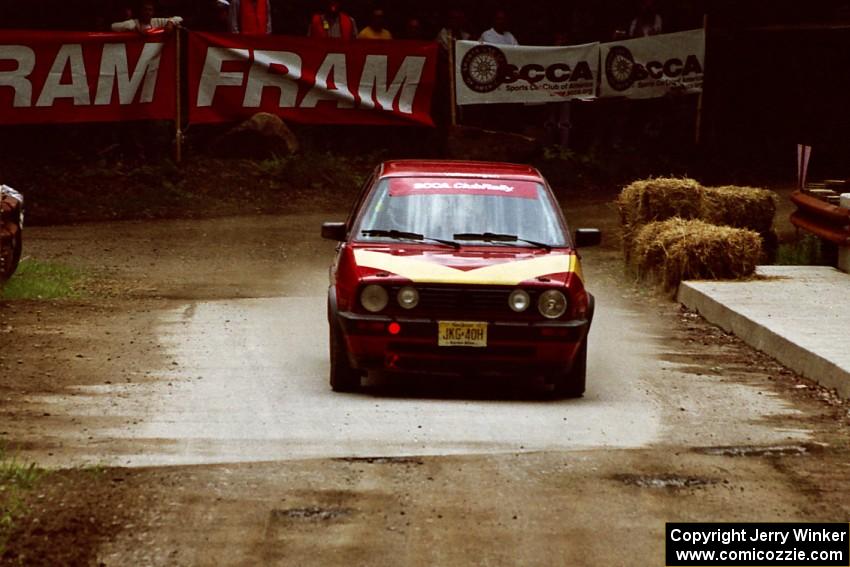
(657, 199)
(628, 203)
(677, 249)
(739, 207)
(744, 207)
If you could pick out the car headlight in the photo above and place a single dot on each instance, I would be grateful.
(519, 300)
(374, 298)
(552, 304)
(408, 297)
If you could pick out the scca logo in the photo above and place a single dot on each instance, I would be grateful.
(622, 71)
(431, 186)
(485, 68)
(557, 73)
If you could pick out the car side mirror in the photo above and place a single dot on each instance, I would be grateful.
(588, 237)
(334, 231)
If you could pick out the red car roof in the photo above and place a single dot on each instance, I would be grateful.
(450, 168)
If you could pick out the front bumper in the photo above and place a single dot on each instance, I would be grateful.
(512, 347)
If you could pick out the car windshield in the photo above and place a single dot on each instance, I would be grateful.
(472, 211)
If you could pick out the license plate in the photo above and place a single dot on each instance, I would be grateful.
(462, 333)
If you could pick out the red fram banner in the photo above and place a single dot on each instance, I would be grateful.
(84, 77)
(232, 77)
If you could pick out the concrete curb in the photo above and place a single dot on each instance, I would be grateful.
(766, 334)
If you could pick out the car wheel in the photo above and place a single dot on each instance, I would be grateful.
(18, 250)
(571, 384)
(9, 255)
(344, 378)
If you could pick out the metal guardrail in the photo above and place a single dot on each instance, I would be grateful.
(819, 213)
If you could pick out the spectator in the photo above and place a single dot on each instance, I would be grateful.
(499, 33)
(333, 23)
(413, 29)
(146, 21)
(375, 29)
(454, 28)
(647, 22)
(219, 18)
(214, 17)
(103, 22)
(250, 16)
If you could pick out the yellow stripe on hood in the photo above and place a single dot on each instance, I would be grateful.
(508, 273)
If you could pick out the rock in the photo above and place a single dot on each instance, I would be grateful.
(466, 142)
(264, 135)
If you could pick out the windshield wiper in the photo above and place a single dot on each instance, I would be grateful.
(402, 235)
(493, 237)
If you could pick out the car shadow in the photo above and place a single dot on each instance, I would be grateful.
(462, 387)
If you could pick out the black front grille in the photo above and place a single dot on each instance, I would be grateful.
(503, 352)
(454, 301)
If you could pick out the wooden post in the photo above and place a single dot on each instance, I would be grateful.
(698, 128)
(452, 85)
(178, 118)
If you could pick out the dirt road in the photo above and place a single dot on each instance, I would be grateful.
(201, 364)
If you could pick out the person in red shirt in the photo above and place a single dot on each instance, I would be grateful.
(250, 16)
(333, 23)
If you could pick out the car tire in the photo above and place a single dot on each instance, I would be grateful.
(10, 254)
(18, 250)
(343, 377)
(572, 384)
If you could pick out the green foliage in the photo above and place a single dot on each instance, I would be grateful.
(15, 474)
(15, 479)
(42, 280)
(567, 169)
(808, 250)
(317, 170)
(95, 470)
(154, 173)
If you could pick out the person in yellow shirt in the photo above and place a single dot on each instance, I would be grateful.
(375, 29)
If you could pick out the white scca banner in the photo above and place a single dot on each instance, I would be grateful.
(654, 66)
(489, 73)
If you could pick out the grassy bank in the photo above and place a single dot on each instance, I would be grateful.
(16, 479)
(43, 280)
(201, 187)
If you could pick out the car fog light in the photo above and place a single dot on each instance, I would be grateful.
(552, 304)
(374, 298)
(519, 300)
(408, 297)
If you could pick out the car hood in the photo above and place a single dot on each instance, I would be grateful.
(488, 265)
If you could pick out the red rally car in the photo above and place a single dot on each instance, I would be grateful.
(11, 228)
(454, 266)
